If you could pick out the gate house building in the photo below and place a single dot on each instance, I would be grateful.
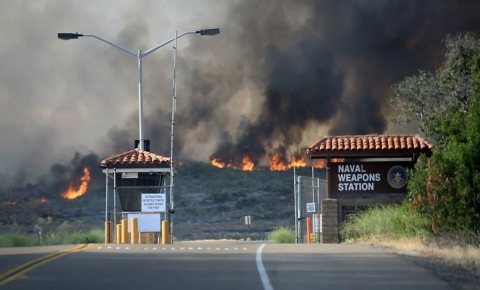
(364, 170)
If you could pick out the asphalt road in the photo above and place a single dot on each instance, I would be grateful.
(226, 265)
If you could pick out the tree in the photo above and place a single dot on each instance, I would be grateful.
(426, 96)
(445, 188)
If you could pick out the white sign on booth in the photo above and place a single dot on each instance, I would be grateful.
(147, 223)
(154, 202)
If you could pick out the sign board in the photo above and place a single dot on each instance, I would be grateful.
(154, 202)
(129, 174)
(147, 222)
(369, 177)
(311, 207)
(248, 220)
(317, 223)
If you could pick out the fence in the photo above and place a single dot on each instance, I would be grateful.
(310, 192)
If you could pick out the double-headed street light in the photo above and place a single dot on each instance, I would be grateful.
(139, 54)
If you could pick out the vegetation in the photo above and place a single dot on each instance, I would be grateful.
(445, 188)
(382, 223)
(282, 235)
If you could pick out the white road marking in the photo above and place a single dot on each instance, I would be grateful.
(182, 249)
(199, 248)
(100, 248)
(190, 248)
(244, 249)
(118, 248)
(261, 270)
(109, 248)
(235, 249)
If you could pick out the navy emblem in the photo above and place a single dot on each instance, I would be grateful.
(397, 176)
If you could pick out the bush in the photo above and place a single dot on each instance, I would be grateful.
(282, 235)
(393, 222)
(17, 240)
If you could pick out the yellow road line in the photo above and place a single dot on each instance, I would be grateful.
(28, 266)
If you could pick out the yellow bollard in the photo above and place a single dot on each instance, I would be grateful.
(134, 231)
(124, 231)
(149, 238)
(119, 234)
(140, 238)
(108, 232)
(165, 232)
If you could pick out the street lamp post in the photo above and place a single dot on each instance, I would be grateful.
(140, 55)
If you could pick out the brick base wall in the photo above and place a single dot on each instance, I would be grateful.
(329, 221)
(334, 211)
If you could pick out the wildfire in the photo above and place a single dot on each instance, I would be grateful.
(247, 163)
(72, 193)
(276, 162)
(319, 163)
(217, 163)
(43, 199)
(322, 163)
(9, 203)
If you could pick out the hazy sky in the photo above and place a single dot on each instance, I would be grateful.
(281, 74)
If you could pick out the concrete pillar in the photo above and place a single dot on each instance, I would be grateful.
(124, 223)
(149, 238)
(108, 232)
(134, 231)
(165, 233)
(119, 234)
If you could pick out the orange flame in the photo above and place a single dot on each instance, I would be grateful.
(9, 203)
(247, 163)
(43, 199)
(72, 193)
(297, 162)
(337, 160)
(276, 163)
(215, 162)
(319, 163)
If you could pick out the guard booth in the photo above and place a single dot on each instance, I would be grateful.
(364, 170)
(137, 179)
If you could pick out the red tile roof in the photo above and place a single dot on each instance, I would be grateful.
(135, 158)
(373, 142)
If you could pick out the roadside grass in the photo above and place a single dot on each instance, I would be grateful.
(384, 223)
(406, 232)
(24, 240)
(282, 235)
(17, 240)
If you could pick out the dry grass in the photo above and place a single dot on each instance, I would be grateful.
(455, 255)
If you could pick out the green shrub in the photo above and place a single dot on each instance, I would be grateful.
(392, 222)
(282, 235)
(17, 240)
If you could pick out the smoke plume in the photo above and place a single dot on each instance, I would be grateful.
(281, 74)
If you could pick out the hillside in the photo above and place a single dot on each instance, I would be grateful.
(210, 203)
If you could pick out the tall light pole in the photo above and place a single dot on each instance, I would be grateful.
(140, 55)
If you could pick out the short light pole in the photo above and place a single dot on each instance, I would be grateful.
(140, 55)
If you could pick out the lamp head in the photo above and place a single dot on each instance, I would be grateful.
(210, 31)
(68, 36)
